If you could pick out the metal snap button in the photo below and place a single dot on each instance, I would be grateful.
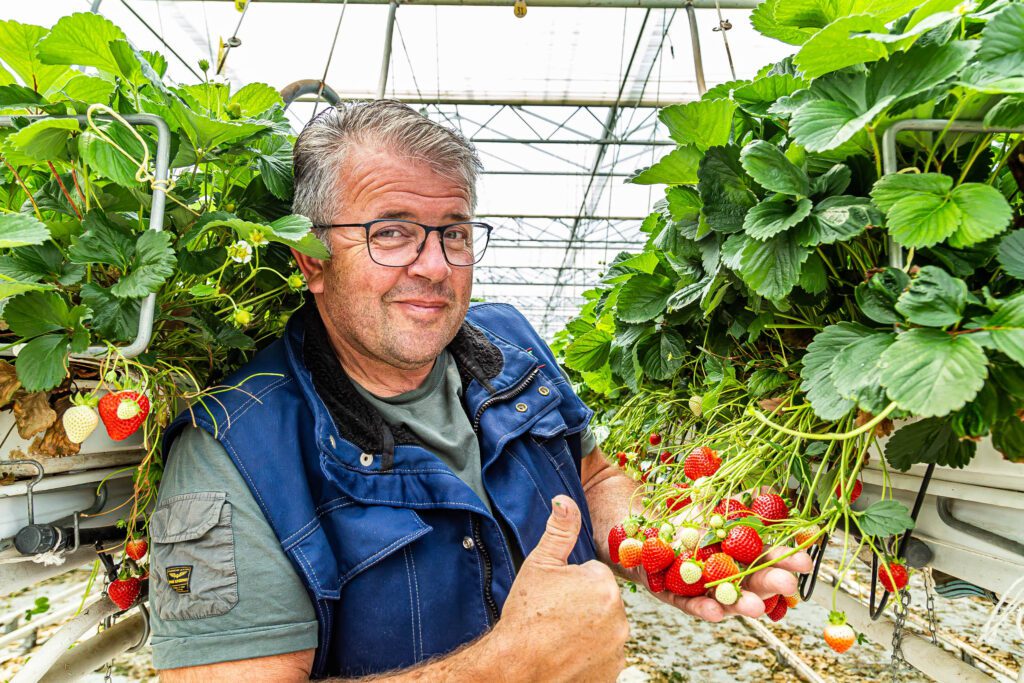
(366, 459)
(330, 440)
(522, 407)
(543, 391)
(467, 543)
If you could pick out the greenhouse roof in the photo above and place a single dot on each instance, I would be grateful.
(562, 104)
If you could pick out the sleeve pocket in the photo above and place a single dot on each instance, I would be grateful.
(193, 566)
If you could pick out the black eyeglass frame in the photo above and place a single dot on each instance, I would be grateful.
(427, 229)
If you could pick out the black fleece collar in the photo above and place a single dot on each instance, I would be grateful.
(359, 422)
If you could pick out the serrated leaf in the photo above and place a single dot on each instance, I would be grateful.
(683, 203)
(1001, 40)
(984, 213)
(816, 374)
(813, 278)
(757, 97)
(39, 262)
(930, 373)
(662, 355)
(18, 229)
(291, 226)
(856, 371)
(726, 191)
(832, 182)
(837, 219)
(1011, 254)
(767, 21)
(44, 140)
(884, 518)
(256, 98)
(774, 215)
(926, 442)
(1008, 438)
(836, 46)
(42, 363)
(116, 319)
(678, 167)
(18, 51)
(772, 268)
(934, 299)
(108, 161)
(88, 89)
(589, 351)
(206, 133)
(152, 264)
(9, 288)
(765, 380)
(643, 298)
(1008, 113)
(890, 189)
(1006, 328)
(102, 242)
(274, 162)
(34, 313)
(877, 297)
(82, 39)
(770, 168)
(703, 124)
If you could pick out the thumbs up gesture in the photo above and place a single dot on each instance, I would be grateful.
(566, 622)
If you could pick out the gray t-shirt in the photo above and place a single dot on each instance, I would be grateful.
(272, 613)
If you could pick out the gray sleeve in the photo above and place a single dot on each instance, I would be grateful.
(221, 587)
(588, 441)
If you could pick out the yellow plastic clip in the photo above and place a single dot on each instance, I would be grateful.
(519, 8)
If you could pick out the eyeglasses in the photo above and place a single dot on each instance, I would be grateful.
(398, 243)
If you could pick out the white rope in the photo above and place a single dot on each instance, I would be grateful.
(47, 559)
(1009, 609)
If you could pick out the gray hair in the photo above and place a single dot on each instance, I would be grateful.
(325, 143)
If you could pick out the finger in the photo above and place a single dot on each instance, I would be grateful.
(701, 607)
(772, 581)
(800, 562)
(749, 605)
(559, 537)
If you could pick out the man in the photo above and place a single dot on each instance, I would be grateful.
(399, 485)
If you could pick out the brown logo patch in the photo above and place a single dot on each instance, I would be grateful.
(179, 578)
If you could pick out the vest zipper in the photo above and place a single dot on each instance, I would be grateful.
(504, 396)
(492, 606)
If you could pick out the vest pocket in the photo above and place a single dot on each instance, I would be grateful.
(193, 566)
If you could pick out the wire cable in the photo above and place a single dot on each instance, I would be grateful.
(330, 56)
(161, 39)
(724, 25)
(233, 41)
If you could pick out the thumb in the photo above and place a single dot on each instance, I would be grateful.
(560, 535)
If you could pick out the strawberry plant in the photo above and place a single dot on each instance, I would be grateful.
(795, 302)
(78, 257)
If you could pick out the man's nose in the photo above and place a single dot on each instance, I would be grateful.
(431, 263)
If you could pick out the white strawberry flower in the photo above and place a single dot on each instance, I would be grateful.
(240, 252)
(257, 238)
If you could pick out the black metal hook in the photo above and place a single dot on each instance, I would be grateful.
(809, 581)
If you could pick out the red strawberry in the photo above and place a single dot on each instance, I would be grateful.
(656, 581)
(707, 551)
(792, 600)
(719, 566)
(650, 532)
(124, 592)
(702, 462)
(839, 635)
(674, 581)
(123, 412)
(655, 439)
(743, 544)
(778, 610)
(854, 494)
(623, 458)
(895, 578)
(770, 508)
(731, 509)
(615, 537)
(677, 503)
(807, 534)
(136, 548)
(770, 602)
(656, 555)
(629, 552)
(667, 457)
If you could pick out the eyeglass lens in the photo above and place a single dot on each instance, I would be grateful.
(397, 243)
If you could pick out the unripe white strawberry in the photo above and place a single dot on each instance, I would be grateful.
(727, 593)
(689, 537)
(695, 404)
(716, 521)
(127, 409)
(80, 419)
(690, 572)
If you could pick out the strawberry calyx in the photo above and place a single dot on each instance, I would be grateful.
(86, 400)
(837, 618)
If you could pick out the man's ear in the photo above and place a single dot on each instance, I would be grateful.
(312, 269)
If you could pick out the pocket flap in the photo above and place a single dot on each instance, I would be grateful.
(186, 517)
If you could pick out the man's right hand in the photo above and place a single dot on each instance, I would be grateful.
(563, 622)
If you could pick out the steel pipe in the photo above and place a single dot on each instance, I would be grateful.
(698, 60)
(385, 64)
(639, 4)
(57, 645)
(90, 655)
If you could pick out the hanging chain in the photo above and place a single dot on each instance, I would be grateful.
(929, 592)
(900, 608)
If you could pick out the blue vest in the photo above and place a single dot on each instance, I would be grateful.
(401, 559)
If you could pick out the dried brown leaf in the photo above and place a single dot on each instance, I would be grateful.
(9, 383)
(772, 404)
(33, 413)
(54, 443)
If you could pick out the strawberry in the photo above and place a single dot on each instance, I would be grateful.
(123, 412)
(702, 462)
(124, 592)
(807, 534)
(622, 458)
(719, 566)
(893, 576)
(791, 600)
(770, 508)
(615, 537)
(650, 532)
(677, 503)
(743, 544)
(656, 581)
(136, 548)
(854, 494)
(675, 583)
(770, 603)
(689, 537)
(629, 552)
(690, 572)
(839, 635)
(666, 457)
(80, 419)
(778, 610)
(656, 555)
(655, 439)
(707, 551)
(727, 593)
(732, 509)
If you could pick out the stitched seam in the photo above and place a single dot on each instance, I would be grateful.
(419, 615)
(305, 535)
(285, 541)
(245, 472)
(430, 505)
(480, 569)
(255, 398)
(508, 559)
(309, 568)
(412, 613)
(380, 553)
(321, 511)
(536, 486)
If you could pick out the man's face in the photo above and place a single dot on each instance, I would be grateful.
(403, 317)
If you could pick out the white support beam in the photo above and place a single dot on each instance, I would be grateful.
(638, 4)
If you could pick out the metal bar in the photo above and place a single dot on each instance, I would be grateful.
(944, 506)
(160, 38)
(308, 86)
(529, 216)
(571, 174)
(933, 125)
(594, 141)
(68, 635)
(698, 61)
(389, 32)
(636, 4)
(89, 655)
(514, 99)
(156, 223)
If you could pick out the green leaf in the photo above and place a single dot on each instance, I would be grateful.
(291, 226)
(772, 268)
(1011, 254)
(934, 299)
(9, 288)
(877, 297)
(274, 162)
(926, 442)
(839, 105)
(765, 380)
(44, 140)
(18, 229)
(816, 374)
(662, 355)
(152, 264)
(833, 47)
(726, 191)
(984, 213)
(256, 98)
(837, 219)
(931, 373)
(18, 51)
(856, 371)
(206, 133)
(813, 278)
(88, 89)
(1008, 438)
(82, 39)
(1001, 40)
(1008, 113)
(589, 351)
(1006, 328)
(770, 168)
(42, 363)
(832, 182)
(703, 124)
(767, 20)
(643, 298)
(757, 97)
(114, 318)
(884, 518)
(890, 189)
(774, 215)
(102, 242)
(35, 313)
(678, 167)
(923, 220)
(107, 161)
(683, 203)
